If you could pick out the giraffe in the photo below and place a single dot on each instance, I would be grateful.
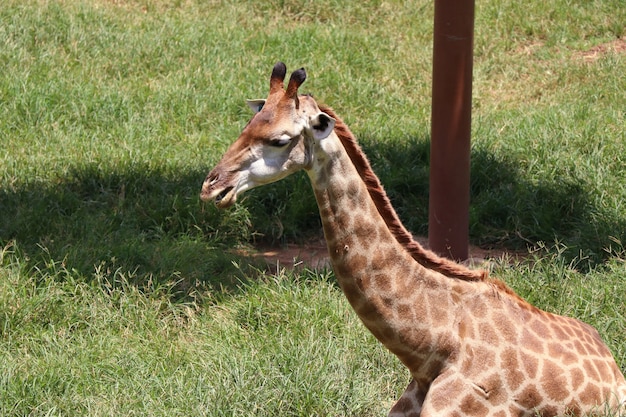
(473, 347)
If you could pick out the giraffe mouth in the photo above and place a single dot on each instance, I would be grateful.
(226, 198)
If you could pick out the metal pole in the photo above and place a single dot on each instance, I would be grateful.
(448, 227)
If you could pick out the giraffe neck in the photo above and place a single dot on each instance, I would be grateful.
(402, 235)
(404, 304)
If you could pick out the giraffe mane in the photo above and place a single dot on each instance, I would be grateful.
(426, 257)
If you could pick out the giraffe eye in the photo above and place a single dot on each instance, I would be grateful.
(278, 143)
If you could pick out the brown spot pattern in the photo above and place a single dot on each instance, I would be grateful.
(554, 382)
(531, 364)
(471, 406)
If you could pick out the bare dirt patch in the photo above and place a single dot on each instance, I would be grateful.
(617, 46)
(313, 254)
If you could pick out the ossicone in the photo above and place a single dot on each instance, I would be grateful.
(278, 77)
(296, 79)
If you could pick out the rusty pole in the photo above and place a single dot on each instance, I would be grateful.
(448, 219)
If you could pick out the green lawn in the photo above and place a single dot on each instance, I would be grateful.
(122, 294)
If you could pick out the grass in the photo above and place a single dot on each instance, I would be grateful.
(106, 347)
(122, 294)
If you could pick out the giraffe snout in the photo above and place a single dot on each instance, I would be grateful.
(218, 188)
(208, 184)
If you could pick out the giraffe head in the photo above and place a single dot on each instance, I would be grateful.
(277, 142)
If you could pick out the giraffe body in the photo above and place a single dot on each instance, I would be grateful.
(472, 346)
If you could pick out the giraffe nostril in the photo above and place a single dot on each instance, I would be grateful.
(212, 179)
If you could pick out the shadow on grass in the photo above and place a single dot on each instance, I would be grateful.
(153, 224)
(147, 223)
(509, 208)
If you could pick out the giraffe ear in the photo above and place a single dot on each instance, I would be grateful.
(256, 105)
(322, 125)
